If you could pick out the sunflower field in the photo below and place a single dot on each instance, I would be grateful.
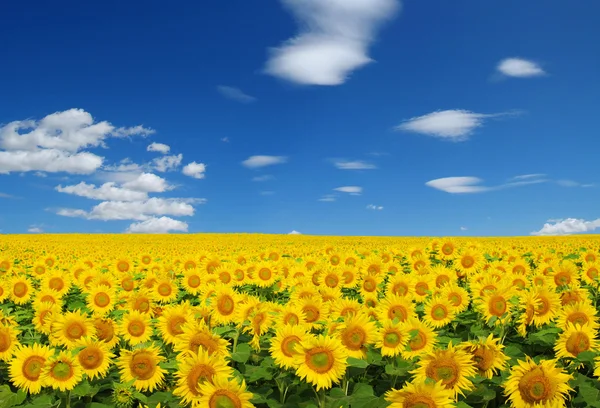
(242, 320)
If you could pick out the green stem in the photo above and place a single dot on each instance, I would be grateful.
(235, 340)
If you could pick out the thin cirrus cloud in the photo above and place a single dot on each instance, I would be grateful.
(328, 198)
(353, 165)
(235, 94)
(352, 190)
(266, 177)
(255, 162)
(519, 68)
(333, 41)
(470, 185)
(568, 226)
(374, 207)
(454, 125)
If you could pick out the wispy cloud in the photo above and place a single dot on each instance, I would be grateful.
(35, 229)
(235, 94)
(374, 207)
(568, 226)
(519, 68)
(328, 198)
(4, 195)
(266, 177)
(334, 39)
(352, 190)
(454, 125)
(463, 228)
(470, 185)
(353, 165)
(255, 162)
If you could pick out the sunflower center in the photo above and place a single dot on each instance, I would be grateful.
(543, 307)
(418, 341)
(391, 339)
(127, 283)
(224, 399)
(225, 277)
(497, 306)
(578, 318)
(319, 359)
(174, 325)
(194, 281)
(288, 345)
(142, 366)
(142, 305)
(40, 270)
(455, 298)
(225, 305)
(101, 299)
(75, 330)
(562, 278)
(146, 259)
(439, 312)
(369, 285)
(467, 261)
(136, 328)
(20, 289)
(199, 374)
(421, 288)
(484, 358)
(5, 340)
(442, 280)
(397, 311)
(104, 330)
(354, 338)
(331, 281)
(291, 319)
(164, 289)
(444, 370)
(312, 313)
(447, 249)
(265, 274)
(592, 273)
(90, 358)
(419, 401)
(348, 277)
(578, 342)
(335, 260)
(61, 371)
(535, 387)
(203, 340)
(519, 269)
(32, 367)
(400, 289)
(123, 266)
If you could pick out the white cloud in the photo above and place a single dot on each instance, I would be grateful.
(328, 198)
(155, 225)
(35, 230)
(254, 162)
(454, 125)
(133, 210)
(354, 165)
(334, 39)
(463, 228)
(462, 185)
(266, 177)
(107, 191)
(4, 195)
(235, 94)
(56, 143)
(158, 147)
(148, 183)
(374, 207)
(225, 139)
(352, 190)
(528, 176)
(195, 170)
(294, 232)
(519, 68)
(568, 226)
(167, 163)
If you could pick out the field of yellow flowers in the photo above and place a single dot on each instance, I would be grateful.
(232, 321)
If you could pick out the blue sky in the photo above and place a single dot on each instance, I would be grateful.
(355, 117)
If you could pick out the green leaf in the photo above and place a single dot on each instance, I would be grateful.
(586, 357)
(362, 390)
(9, 398)
(256, 373)
(242, 353)
(42, 401)
(356, 362)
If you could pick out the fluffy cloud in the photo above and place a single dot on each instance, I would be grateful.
(35, 230)
(519, 68)
(167, 163)
(235, 94)
(455, 125)
(156, 225)
(462, 185)
(254, 162)
(463, 228)
(352, 190)
(374, 207)
(107, 191)
(334, 39)
(158, 147)
(294, 232)
(56, 143)
(353, 165)
(195, 170)
(148, 183)
(568, 226)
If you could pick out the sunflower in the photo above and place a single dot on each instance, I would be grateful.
(223, 392)
(58, 281)
(70, 327)
(565, 273)
(448, 249)
(390, 339)
(61, 372)
(442, 276)
(265, 274)
(25, 368)
(101, 300)
(590, 273)
(344, 308)
(496, 306)
(349, 274)
(172, 319)
(487, 355)
(423, 285)
(123, 265)
(468, 262)
(422, 338)
(142, 301)
(400, 285)
(532, 385)
(20, 290)
(372, 265)
(452, 367)
(548, 307)
(42, 319)
(331, 278)
(528, 303)
(224, 304)
(368, 285)
(579, 313)
(192, 281)
(590, 257)
(93, 357)
(196, 335)
(458, 296)
(284, 345)
(439, 312)
(291, 314)
(8, 341)
(195, 369)
(47, 296)
(422, 395)
(4, 292)
(106, 332)
(519, 267)
(355, 333)
(313, 310)
(575, 339)
(574, 294)
(141, 366)
(135, 327)
(321, 361)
